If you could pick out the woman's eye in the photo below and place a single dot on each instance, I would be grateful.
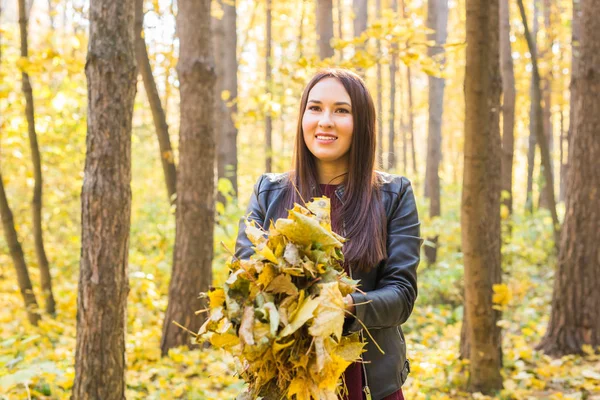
(314, 108)
(343, 110)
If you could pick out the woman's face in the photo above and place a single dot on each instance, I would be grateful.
(327, 122)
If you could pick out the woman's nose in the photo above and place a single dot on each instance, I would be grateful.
(325, 121)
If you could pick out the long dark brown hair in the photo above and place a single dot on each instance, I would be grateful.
(362, 213)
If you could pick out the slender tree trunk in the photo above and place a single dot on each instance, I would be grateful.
(51, 15)
(508, 105)
(36, 204)
(392, 159)
(228, 160)
(361, 17)
(532, 119)
(563, 183)
(268, 120)
(575, 315)
(437, 19)
(340, 23)
(16, 252)
(546, 88)
(380, 99)
(106, 203)
(325, 28)
(192, 256)
(158, 114)
(411, 122)
(539, 132)
(480, 207)
(575, 51)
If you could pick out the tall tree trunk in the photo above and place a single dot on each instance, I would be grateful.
(562, 174)
(532, 119)
(158, 114)
(36, 203)
(268, 119)
(361, 17)
(437, 20)
(539, 131)
(301, 29)
(508, 104)
(224, 45)
(106, 203)
(392, 159)
(480, 207)
(325, 28)
(575, 315)
(380, 99)
(575, 50)
(546, 88)
(411, 122)
(16, 252)
(340, 24)
(227, 158)
(192, 256)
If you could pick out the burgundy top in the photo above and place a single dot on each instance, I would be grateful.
(353, 376)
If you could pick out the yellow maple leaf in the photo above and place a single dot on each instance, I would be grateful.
(304, 313)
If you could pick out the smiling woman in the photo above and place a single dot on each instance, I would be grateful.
(334, 156)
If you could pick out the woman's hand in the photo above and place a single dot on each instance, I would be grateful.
(349, 302)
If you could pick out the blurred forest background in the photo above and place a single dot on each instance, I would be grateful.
(241, 117)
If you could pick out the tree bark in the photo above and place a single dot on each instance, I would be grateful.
(106, 203)
(325, 28)
(546, 90)
(539, 131)
(380, 99)
(411, 121)
(575, 49)
(340, 23)
(227, 150)
(508, 105)
(16, 252)
(532, 119)
(192, 255)
(361, 16)
(480, 207)
(575, 315)
(36, 203)
(392, 159)
(158, 114)
(268, 119)
(437, 19)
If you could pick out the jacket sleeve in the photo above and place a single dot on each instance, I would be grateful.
(391, 302)
(255, 212)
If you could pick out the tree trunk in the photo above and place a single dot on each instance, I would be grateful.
(546, 89)
(392, 159)
(532, 119)
(268, 119)
(437, 19)
(411, 122)
(300, 29)
(192, 255)
(380, 99)
(575, 315)
(227, 153)
(36, 203)
(575, 49)
(480, 207)
(325, 28)
(106, 203)
(508, 105)
(539, 131)
(340, 23)
(158, 114)
(16, 252)
(361, 16)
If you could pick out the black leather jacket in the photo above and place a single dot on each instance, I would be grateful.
(390, 289)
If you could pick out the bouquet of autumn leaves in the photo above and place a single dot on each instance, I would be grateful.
(281, 312)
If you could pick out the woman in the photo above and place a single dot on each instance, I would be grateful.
(335, 156)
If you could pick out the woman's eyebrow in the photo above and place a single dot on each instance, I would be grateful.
(337, 103)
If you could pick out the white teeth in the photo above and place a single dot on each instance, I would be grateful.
(325, 138)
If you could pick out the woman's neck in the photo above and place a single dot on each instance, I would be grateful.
(331, 173)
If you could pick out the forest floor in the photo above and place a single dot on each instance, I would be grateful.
(37, 362)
